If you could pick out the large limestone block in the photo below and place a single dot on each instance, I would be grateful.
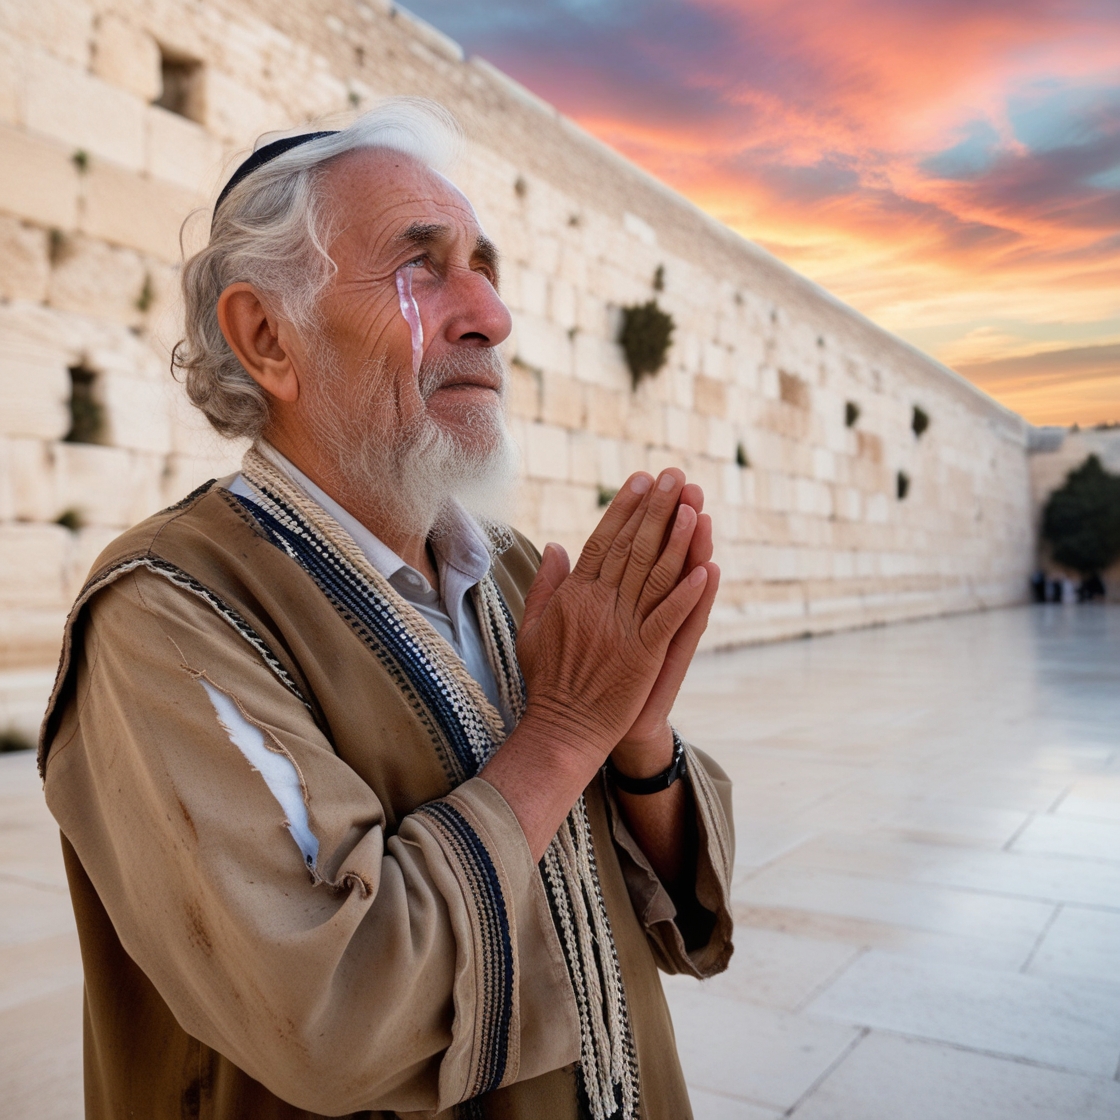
(24, 269)
(127, 56)
(584, 458)
(546, 452)
(107, 486)
(63, 27)
(11, 79)
(92, 278)
(138, 412)
(606, 410)
(34, 391)
(30, 480)
(237, 114)
(563, 401)
(542, 344)
(38, 180)
(31, 636)
(81, 557)
(185, 473)
(183, 152)
(84, 112)
(136, 211)
(709, 396)
(32, 559)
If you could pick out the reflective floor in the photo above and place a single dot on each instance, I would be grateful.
(928, 873)
(927, 889)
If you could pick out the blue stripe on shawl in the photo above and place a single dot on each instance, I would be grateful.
(370, 609)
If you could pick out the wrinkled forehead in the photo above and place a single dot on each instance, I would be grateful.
(376, 193)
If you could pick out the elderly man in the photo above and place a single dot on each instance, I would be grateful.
(367, 808)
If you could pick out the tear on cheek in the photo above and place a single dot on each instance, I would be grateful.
(277, 769)
(411, 313)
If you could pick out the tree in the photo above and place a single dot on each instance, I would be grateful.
(1081, 522)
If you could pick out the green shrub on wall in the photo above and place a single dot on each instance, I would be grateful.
(1081, 521)
(646, 335)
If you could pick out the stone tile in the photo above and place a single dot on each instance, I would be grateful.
(713, 1106)
(1081, 943)
(761, 1055)
(29, 912)
(775, 969)
(1071, 836)
(909, 905)
(1069, 1024)
(1043, 877)
(41, 1059)
(886, 1078)
(35, 969)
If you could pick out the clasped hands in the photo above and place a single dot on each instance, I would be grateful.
(604, 647)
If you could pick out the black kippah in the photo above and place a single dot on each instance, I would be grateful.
(265, 155)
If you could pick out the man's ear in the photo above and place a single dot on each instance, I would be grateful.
(253, 333)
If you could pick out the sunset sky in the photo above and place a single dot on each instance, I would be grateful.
(951, 168)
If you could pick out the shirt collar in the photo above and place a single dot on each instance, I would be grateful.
(461, 549)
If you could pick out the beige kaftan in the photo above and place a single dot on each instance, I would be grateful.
(227, 975)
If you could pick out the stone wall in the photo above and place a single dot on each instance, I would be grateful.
(118, 118)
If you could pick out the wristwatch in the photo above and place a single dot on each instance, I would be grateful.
(676, 769)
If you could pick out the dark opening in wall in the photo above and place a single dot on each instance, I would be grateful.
(742, 459)
(182, 85)
(87, 416)
(919, 420)
(851, 414)
(902, 485)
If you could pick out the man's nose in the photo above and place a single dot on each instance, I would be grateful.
(478, 315)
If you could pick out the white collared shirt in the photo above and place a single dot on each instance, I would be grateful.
(462, 556)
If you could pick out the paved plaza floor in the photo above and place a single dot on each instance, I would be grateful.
(927, 887)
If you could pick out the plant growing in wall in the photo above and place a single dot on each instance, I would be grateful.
(742, 459)
(646, 335)
(1081, 521)
(919, 420)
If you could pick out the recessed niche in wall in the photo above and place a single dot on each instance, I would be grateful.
(919, 421)
(902, 485)
(851, 414)
(741, 456)
(87, 415)
(182, 85)
(792, 389)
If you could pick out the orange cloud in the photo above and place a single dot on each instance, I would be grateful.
(946, 166)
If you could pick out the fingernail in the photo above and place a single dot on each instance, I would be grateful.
(640, 483)
(698, 576)
(685, 515)
(666, 482)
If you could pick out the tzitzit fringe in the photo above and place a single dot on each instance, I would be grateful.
(608, 1066)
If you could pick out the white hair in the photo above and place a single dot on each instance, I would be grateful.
(271, 231)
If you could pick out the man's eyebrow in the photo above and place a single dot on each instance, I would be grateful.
(422, 233)
(487, 252)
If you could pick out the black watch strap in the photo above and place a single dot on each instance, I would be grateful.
(676, 769)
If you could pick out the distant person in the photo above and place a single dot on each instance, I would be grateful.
(1038, 586)
(367, 808)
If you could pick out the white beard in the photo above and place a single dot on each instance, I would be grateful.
(418, 473)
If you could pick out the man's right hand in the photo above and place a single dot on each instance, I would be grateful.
(592, 644)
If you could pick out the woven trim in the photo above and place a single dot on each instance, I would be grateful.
(220, 607)
(495, 964)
